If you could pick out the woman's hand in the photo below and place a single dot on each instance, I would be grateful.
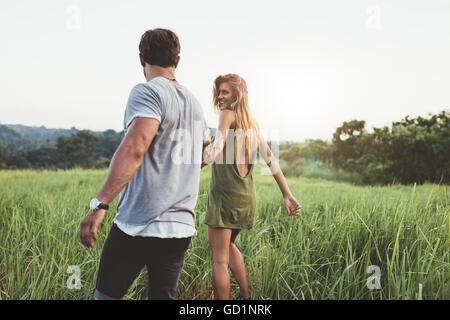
(292, 206)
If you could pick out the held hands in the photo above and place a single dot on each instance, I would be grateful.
(211, 152)
(207, 158)
(292, 206)
(206, 154)
(89, 226)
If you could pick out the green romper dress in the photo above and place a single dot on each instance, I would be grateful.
(232, 198)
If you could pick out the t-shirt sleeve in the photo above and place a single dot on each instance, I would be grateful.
(143, 102)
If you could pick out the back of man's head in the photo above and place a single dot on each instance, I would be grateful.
(159, 47)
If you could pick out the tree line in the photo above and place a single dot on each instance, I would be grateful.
(81, 149)
(410, 150)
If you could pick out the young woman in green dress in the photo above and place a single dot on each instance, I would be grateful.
(232, 200)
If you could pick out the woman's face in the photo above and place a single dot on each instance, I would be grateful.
(225, 95)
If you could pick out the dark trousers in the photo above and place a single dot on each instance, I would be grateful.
(124, 256)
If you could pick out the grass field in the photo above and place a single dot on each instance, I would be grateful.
(323, 254)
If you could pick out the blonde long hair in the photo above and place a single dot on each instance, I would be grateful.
(240, 106)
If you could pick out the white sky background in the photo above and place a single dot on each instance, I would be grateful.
(309, 65)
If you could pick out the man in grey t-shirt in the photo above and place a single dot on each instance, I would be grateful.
(156, 169)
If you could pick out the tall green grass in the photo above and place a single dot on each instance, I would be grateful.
(323, 254)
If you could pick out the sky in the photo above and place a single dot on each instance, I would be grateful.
(309, 65)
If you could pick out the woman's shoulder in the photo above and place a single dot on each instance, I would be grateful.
(227, 111)
(227, 116)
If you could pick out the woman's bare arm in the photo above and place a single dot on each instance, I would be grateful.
(226, 119)
(290, 203)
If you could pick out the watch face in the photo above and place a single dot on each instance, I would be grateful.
(94, 203)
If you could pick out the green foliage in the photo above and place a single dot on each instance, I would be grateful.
(421, 148)
(413, 150)
(293, 155)
(77, 150)
(102, 163)
(17, 160)
(313, 160)
(317, 169)
(44, 158)
(317, 150)
(344, 140)
(108, 142)
(36, 147)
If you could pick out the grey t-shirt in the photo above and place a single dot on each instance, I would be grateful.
(166, 184)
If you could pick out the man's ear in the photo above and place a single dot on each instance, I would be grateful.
(141, 58)
(178, 61)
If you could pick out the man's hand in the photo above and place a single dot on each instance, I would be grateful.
(292, 206)
(89, 226)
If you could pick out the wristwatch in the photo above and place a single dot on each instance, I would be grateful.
(95, 204)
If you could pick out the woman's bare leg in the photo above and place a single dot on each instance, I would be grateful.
(219, 243)
(236, 263)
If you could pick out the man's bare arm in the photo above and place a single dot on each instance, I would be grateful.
(128, 157)
(124, 164)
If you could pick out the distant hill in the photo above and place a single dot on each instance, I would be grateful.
(16, 137)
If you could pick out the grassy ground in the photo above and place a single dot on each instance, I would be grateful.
(323, 254)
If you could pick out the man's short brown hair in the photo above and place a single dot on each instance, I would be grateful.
(159, 47)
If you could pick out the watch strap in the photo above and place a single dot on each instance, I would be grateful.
(103, 206)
